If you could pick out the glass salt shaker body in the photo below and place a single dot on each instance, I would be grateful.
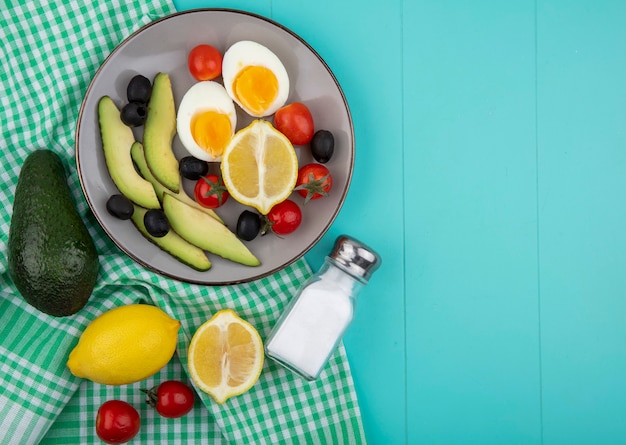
(315, 320)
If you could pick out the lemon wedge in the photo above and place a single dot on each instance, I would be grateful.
(225, 356)
(259, 166)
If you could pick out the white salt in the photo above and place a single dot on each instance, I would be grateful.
(308, 334)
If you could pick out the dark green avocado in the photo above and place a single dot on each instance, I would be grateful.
(51, 257)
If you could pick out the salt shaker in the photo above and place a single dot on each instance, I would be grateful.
(315, 320)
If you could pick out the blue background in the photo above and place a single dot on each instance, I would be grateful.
(491, 177)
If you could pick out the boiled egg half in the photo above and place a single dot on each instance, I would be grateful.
(206, 120)
(255, 78)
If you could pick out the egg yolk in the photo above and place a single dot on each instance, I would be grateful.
(256, 88)
(212, 131)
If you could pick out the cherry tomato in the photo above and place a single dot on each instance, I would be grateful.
(284, 218)
(210, 191)
(171, 398)
(117, 422)
(314, 181)
(205, 62)
(295, 122)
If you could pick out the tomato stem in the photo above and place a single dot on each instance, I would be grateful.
(151, 396)
(313, 187)
(217, 188)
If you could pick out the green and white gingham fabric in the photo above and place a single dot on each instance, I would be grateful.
(50, 51)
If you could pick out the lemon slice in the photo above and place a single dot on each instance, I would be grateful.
(225, 356)
(259, 166)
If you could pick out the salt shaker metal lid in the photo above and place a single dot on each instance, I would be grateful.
(355, 257)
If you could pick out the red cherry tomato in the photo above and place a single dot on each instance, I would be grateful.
(210, 191)
(117, 422)
(314, 181)
(171, 398)
(205, 62)
(295, 122)
(284, 218)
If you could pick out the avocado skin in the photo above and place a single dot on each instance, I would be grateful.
(52, 259)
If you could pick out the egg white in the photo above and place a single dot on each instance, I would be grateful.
(248, 53)
(203, 96)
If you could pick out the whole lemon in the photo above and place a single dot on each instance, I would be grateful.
(125, 345)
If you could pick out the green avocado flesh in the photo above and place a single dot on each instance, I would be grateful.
(117, 138)
(138, 155)
(159, 130)
(52, 259)
(205, 232)
(173, 244)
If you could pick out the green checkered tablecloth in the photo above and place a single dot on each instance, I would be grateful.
(49, 52)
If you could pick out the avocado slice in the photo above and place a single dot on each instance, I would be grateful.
(173, 244)
(51, 257)
(202, 231)
(137, 153)
(159, 130)
(117, 138)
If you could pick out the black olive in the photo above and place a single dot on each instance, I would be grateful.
(248, 225)
(193, 168)
(322, 146)
(120, 206)
(134, 114)
(139, 89)
(156, 223)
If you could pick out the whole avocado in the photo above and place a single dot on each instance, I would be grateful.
(51, 257)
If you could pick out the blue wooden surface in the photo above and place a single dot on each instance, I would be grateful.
(581, 100)
(491, 177)
(471, 311)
